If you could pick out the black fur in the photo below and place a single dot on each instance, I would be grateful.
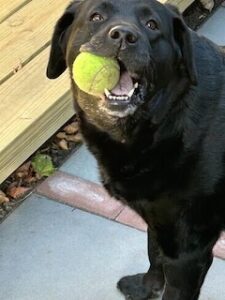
(165, 159)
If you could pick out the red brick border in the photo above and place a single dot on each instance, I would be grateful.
(92, 197)
(89, 196)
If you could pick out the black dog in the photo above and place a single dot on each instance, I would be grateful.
(161, 146)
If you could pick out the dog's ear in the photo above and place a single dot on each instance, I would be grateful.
(57, 61)
(182, 36)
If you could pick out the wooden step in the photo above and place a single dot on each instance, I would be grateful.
(181, 4)
(32, 109)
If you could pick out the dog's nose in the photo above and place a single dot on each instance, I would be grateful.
(123, 33)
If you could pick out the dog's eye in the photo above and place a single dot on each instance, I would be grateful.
(152, 25)
(96, 17)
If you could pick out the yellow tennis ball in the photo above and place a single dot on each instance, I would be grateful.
(93, 73)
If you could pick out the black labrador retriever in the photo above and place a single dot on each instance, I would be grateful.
(160, 147)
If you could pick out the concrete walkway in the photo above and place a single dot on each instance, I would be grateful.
(53, 251)
(50, 251)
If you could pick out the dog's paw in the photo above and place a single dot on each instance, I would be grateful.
(133, 288)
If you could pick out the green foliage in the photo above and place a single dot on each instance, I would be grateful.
(43, 164)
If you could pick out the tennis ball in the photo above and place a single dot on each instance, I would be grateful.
(93, 73)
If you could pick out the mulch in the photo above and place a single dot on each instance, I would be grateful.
(20, 184)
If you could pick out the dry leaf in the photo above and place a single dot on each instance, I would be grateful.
(25, 167)
(71, 138)
(71, 128)
(2, 193)
(63, 144)
(61, 135)
(31, 179)
(3, 199)
(11, 185)
(38, 176)
(77, 138)
(23, 171)
(17, 192)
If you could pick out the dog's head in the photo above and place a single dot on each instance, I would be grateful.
(150, 41)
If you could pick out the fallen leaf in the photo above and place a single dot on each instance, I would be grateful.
(11, 185)
(3, 199)
(43, 165)
(17, 192)
(63, 144)
(23, 171)
(61, 135)
(71, 128)
(25, 167)
(77, 138)
(45, 149)
(38, 176)
(2, 193)
(31, 179)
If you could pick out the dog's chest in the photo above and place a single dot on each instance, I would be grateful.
(141, 168)
(138, 173)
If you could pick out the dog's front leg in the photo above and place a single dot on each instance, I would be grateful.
(147, 285)
(184, 276)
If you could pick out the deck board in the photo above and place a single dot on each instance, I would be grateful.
(181, 4)
(33, 110)
(10, 7)
(26, 33)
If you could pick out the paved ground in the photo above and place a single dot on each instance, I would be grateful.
(52, 251)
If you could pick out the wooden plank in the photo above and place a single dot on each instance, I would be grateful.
(32, 109)
(26, 33)
(10, 7)
(181, 4)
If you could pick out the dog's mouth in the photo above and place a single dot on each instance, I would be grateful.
(126, 95)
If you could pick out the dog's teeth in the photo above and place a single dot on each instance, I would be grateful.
(130, 94)
(107, 93)
(117, 97)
